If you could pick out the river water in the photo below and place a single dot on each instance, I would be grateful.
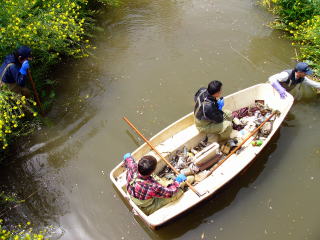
(151, 57)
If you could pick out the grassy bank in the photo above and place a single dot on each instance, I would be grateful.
(54, 30)
(300, 19)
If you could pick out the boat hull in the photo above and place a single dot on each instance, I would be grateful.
(184, 133)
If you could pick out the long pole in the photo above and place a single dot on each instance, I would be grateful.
(160, 155)
(35, 91)
(238, 147)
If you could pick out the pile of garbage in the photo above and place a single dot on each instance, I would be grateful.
(184, 160)
(195, 161)
(245, 120)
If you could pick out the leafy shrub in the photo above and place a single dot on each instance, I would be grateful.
(301, 20)
(53, 29)
(13, 108)
(307, 36)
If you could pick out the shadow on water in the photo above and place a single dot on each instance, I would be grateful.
(34, 171)
(44, 201)
(220, 200)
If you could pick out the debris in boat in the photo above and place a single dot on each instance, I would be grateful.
(211, 162)
(229, 146)
(257, 143)
(266, 128)
(196, 161)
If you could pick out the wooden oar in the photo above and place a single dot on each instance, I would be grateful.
(35, 92)
(238, 147)
(154, 149)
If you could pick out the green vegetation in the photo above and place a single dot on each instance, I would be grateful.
(21, 232)
(301, 20)
(55, 30)
(13, 109)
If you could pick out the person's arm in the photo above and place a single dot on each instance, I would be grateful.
(213, 113)
(311, 83)
(16, 75)
(22, 76)
(165, 192)
(280, 77)
(130, 164)
(275, 82)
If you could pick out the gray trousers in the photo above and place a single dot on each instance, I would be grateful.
(223, 129)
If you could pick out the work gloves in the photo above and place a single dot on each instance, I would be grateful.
(181, 178)
(127, 155)
(220, 103)
(280, 89)
(24, 68)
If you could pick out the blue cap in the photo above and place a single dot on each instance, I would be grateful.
(303, 67)
(24, 52)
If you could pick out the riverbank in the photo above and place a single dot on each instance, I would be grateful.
(55, 30)
(301, 21)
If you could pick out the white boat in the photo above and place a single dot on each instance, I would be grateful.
(184, 133)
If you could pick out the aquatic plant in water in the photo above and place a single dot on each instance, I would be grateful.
(21, 232)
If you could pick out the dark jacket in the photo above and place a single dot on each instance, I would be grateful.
(12, 74)
(291, 81)
(206, 107)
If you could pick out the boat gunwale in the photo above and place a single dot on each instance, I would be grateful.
(148, 219)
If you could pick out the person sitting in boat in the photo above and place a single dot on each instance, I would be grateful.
(13, 71)
(209, 117)
(144, 190)
(287, 80)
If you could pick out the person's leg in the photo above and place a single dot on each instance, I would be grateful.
(160, 202)
(227, 115)
(208, 127)
(226, 130)
(223, 129)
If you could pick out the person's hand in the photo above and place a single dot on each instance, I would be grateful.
(220, 103)
(127, 155)
(283, 94)
(24, 68)
(282, 91)
(181, 178)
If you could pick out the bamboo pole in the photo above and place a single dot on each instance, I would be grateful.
(238, 147)
(160, 155)
(35, 92)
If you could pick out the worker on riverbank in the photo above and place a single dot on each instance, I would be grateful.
(209, 117)
(287, 80)
(144, 190)
(13, 71)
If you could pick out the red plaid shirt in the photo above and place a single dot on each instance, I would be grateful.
(144, 188)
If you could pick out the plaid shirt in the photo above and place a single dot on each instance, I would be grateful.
(144, 188)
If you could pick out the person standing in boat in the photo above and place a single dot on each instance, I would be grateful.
(287, 80)
(144, 190)
(209, 117)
